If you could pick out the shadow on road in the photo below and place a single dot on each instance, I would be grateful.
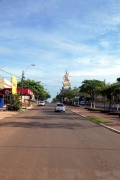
(47, 125)
(47, 118)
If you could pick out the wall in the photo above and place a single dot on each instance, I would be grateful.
(4, 83)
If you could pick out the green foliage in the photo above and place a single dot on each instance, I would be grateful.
(20, 110)
(38, 89)
(98, 120)
(118, 79)
(94, 109)
(15, 103)
(91, 87)
(70, 94)
(111, 90)
(55, 100)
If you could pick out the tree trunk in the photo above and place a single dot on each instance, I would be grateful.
(104, 105)
(93, 104)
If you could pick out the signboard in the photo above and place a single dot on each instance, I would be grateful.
(14, 85)
(25, 91)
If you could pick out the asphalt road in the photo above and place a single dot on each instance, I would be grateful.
(40, 144)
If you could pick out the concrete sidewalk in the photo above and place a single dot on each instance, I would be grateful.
(7, 114)
(4, 113)
(115, 119)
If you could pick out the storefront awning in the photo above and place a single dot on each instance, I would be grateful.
(24, 91)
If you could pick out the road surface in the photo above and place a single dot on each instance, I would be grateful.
(40, 144)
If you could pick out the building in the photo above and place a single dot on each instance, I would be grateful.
(4, 83)
(6, 90)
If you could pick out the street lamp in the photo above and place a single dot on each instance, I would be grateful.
(23, 72)
(23, 76)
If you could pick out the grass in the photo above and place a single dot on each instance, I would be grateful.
(98, 120)
(95, 109)
(20, 110)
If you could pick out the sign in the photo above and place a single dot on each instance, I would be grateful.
(14, 85)
(7, 92)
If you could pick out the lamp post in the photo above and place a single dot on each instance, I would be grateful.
(23, 76)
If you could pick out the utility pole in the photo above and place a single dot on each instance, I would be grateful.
(22, 84)
(22, 79)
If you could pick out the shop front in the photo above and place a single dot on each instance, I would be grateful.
(5, 95)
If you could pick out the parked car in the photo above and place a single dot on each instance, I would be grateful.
(82, 102)
(116, 107)
(32, 100)
(41, 103)
(59, 107)
(76, 103)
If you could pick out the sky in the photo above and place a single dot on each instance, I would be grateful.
(80, 36)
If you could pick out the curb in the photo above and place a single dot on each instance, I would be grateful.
(112, 129)
(107, 127)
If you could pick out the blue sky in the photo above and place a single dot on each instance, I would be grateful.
(82, 36)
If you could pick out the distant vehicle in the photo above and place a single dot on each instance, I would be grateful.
(59, 107)
(76, 103)
(116, 106)
(32, 100)
(82, 102)
(41, 103)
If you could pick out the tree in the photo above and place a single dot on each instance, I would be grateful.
(70, 94)
(55, 100)
(111, 92)
(36, 87)
(15, 102)
(118, 79)
(45, 95)
(92, 88)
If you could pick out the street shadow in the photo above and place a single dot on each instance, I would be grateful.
(49, 114)
(58, 125)
(45, 119)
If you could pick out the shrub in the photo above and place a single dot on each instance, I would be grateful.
(15, 103)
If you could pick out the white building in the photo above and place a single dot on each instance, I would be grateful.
(4, 83)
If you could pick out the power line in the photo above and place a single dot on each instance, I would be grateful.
(8, 72)
(5, 77)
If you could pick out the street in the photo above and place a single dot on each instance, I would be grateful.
(41, 144)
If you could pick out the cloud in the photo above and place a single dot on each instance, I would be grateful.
(5, 50)
(104, 44)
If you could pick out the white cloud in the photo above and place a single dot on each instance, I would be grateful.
(5, 50)
(82, 61)
(105, 44)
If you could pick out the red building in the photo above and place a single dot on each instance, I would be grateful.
(26, 94)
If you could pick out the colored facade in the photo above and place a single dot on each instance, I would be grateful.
(26, 95)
